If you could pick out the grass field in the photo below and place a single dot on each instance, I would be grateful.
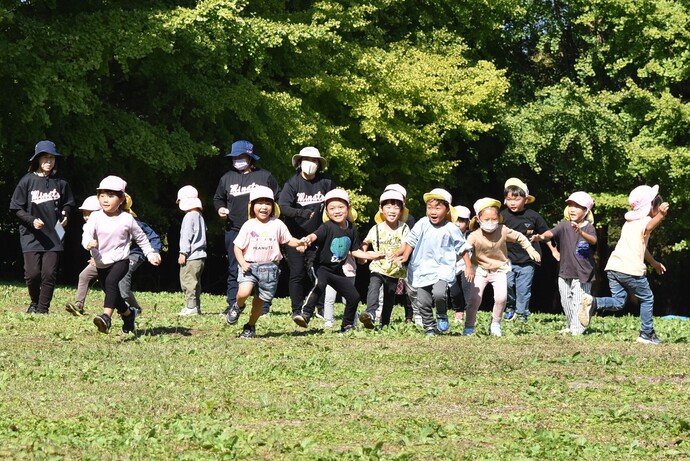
(188, 388)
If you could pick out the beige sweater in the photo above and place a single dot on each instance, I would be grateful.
(490, 251)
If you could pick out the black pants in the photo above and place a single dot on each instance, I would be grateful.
(110, 281)
(389, 284)
(40, 273)
(302, 276)
(342, 285)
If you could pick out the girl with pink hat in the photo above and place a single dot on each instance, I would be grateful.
(626, 269)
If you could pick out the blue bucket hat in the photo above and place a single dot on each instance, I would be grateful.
(242, 147)
(44, 147)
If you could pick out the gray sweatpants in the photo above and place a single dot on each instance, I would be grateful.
(425, 298)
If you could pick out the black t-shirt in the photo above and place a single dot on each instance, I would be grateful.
(45, 198)
(335, 243)
(528, 222)
(301, 203)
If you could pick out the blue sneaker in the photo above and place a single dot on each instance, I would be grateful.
(468, 331)
(443, 324)
(510, 315)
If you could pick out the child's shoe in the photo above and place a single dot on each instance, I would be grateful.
(496, 329)
(233, 314)
(33, 307)
(649, 338)
(346, 328)
(418, 320)
(459, 317)
(431, 332)
(128, 322)
(522, 318)
(564, 331)
(76, 309)
(367, 320)
(328, 324)
(510, 315)
(248, 331)
(102, 322)
(442, 323)
(588, 306)
(301, 319)
(468, 331)
(189, 311)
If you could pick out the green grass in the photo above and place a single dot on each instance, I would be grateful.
(188, 388)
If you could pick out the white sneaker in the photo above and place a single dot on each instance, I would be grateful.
(328, 324)
(496, 329)
(418, 320)
(189, 311)
(564, 331)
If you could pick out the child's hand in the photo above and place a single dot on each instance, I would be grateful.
(659, 268)
(246, 268)
(556, 254)
(663, 209)
(92, 244)
(92, 262)
(377, 255)
(534, 254)
(536, 238)
(154, 258)
(181, 259)
(306, 241)
(469, 274)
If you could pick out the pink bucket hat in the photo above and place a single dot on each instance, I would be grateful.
(392, 195)
(339, 194)
(113, 183)
(640, 200)
(581, 198)
(263, 192)
(90, 204)
(188, 198)
(398, 188)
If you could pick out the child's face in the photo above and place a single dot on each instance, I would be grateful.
(489, 215)
(110, 201)
(46, 162)
(391, 211)
(436, 211)
(337, 211)
(576, 212)
(263, 208)
(515, 202)
(85, 214)
(462, 224)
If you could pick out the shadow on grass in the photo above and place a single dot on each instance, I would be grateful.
(158, 331)
(281, 334)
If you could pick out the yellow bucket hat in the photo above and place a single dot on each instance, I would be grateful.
(482, 204)
(521, 185)
(442, 194)
(127, 206)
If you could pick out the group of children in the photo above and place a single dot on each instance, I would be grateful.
(444, 256)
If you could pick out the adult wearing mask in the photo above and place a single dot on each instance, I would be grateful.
(231, 202)
(42, 201)
(301, 207)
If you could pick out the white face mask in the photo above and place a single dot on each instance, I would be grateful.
(309, 168)
(241, 164)
(488, 226)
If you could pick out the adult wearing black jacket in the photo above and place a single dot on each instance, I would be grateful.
(301, 207)
(42, 201)
(231, 201)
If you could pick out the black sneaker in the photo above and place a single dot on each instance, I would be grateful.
(233, 314)
(301, 319)
(128, 322)
(649, 338)
(319, 312)
(33, 307)
(367, 320)
(347, 328)
(102, 322)
(75, 309)
(248, 331)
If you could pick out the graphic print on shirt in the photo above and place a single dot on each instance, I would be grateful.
(38, 196)
(529, 229)
(263, 241)
(305, 199)
(582, 250)
(237, 190)
(340, 247)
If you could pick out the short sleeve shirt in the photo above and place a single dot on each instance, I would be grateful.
(260, 242)
(335, 244)
(577, 256)
(388, 241)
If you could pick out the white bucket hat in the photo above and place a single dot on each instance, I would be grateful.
(310, 153)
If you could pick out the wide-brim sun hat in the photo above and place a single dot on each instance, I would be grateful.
(444, 195)
(311, 153)
(44, 147)
(262, 192)
(516, 182)
(392, 195)
(242, 147)
(338, 194)
(91, 203)
(640, 200)
(481, 205)
(113, 183)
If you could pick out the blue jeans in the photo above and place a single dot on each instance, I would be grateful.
(620, 284)
(520, 288)
(233, 269)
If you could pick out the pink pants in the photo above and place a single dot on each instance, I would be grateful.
(499, 281)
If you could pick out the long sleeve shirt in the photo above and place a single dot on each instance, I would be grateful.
(114, 234)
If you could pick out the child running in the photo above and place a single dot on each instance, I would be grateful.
(460, 293)
(433, 246)
(257, 249)
(107, 235)
(90, 273)
(192, 256)
(626, 268)
(385, 238)
(490, 257)
(576, 238)
(336, 238)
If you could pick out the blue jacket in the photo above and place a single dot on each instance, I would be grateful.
(154, 239)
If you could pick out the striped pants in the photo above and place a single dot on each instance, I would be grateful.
(571, 291)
